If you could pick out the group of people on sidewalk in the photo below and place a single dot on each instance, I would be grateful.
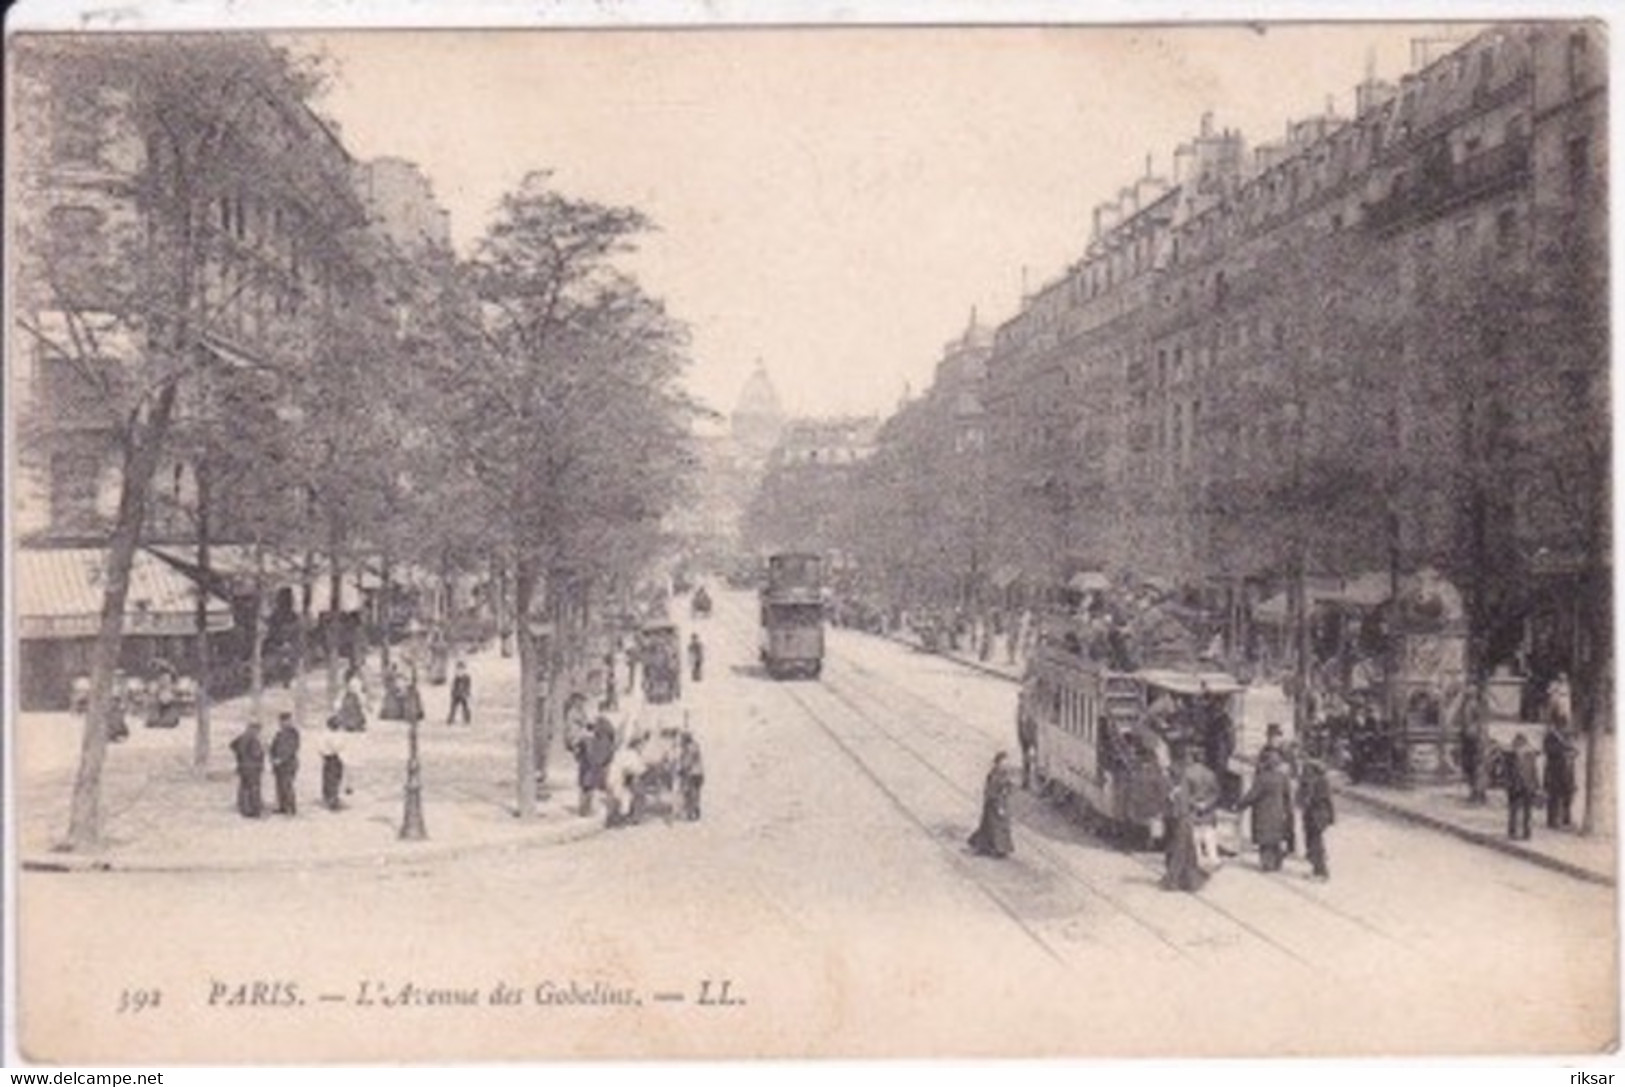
(1527, 776)
(350, 715)
(631, 765)
(250, 753)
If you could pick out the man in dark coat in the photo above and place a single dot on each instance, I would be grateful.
(1559, 776)
(696, 658)
(250, 754)
(992, 836)
(1523, 782)
(691, 775)
(1270, 799)
(1315, 798)
(285, 763)
(1027, 737)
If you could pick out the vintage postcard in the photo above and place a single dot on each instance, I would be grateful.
(819, 541)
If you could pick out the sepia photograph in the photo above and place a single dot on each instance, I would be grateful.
(837, 540)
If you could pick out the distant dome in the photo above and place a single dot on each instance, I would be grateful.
(757, 419)
(758, 397)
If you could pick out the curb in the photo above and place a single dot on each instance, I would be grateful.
(974, 665)
(576, 830)
(1388, 807)
(1477, 837)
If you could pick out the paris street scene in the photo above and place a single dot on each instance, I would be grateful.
(864, 542)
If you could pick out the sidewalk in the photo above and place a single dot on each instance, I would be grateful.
(160, 815)
(1442, 807)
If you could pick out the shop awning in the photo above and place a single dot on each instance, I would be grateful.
(59, 595)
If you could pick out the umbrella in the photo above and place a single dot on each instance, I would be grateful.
(1089, 581)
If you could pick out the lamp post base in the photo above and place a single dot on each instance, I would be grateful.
(412, 828)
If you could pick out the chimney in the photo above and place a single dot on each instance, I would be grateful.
(1207, 124)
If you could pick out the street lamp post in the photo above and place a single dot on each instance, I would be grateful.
(412, 827)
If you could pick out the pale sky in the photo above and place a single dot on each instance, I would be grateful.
(834, 201)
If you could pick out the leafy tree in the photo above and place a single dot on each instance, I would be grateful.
(122, 281)
(559, 395)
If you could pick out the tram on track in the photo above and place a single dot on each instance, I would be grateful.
(1103, 737)
(792, 615)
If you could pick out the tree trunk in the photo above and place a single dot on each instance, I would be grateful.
(256, 651)
(335, 601)
(140, 463)
(1301, 648)
(1593, 679)
(505, 620)
(525, 749)
(382, 615)
(301, 639)
(204, 658)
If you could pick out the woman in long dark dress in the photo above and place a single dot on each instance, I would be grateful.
(992, 837)
(1184, 871)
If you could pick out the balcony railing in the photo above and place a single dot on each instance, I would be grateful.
(1484, 173)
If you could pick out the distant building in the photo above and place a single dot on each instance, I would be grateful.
(801, 502)
(401, 206)
(730, 469)
(842, 440)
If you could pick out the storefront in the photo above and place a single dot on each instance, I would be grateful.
(59, 604)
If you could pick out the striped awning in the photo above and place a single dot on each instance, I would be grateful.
(59, 595)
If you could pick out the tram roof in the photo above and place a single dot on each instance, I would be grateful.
(1190, 682)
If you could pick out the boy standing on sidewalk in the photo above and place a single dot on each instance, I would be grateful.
(462, 689)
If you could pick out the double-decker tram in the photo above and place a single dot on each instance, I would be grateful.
(1103, 737)
(792, 615)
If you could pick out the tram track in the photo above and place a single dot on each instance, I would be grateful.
(902, 807)
(919, 729)
(956, 735)
(1062, 865)
(965, 798)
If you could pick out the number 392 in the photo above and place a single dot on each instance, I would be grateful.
(133, 1001)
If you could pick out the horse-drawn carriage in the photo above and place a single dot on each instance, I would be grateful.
(661, 653)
